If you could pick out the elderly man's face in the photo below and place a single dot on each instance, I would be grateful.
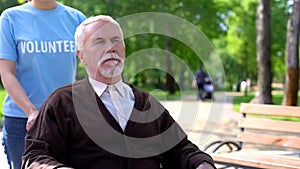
(104, 50)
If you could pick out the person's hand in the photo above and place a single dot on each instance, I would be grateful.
(205, 165)
(31, 118)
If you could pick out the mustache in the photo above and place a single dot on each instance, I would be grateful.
(109, 56)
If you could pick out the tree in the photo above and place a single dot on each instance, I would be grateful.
(292, 57)
(202, 13)
(280, 12)
(4, 4)
(263, 43)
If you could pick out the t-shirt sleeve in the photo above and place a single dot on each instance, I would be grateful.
(8, 48)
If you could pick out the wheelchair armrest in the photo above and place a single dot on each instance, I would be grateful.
(216, 145)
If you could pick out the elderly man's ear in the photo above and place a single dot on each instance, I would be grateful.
(80, 56)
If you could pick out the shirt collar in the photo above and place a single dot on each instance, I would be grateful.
(120, 88)
(100, 87)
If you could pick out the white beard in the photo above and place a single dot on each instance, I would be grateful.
(115, 70)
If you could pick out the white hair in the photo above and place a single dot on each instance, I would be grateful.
(80, 34)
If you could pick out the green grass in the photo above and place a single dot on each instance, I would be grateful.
(237, 100)
(277, 99)
(2, 95)
(164, 95)
(159, 94)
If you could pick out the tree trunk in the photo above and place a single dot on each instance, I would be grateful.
(292, 57)
(170, 79)
(263, 43)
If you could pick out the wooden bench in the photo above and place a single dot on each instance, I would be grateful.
(258, 126)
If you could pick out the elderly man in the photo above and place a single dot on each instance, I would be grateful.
(102, 122)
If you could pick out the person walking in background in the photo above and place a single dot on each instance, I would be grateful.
(102, 122)
(200, 77)
(37, 55)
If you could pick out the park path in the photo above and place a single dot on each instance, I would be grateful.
(215, 120)
(204, 122)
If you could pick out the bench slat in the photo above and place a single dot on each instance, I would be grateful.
(268, 124)
(261, 130)
(289, 111)
(257, 159)
(276, 140)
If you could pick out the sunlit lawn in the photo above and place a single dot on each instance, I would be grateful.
(2, 95)
(277, 99)
(163, 95)
(159, 94)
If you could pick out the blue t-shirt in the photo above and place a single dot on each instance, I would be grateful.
(41, 42)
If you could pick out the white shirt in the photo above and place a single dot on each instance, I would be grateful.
(119, 104)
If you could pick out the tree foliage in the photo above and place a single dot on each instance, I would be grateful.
(228, 24)
(194, 11)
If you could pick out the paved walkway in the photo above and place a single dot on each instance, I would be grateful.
(215, 120)
(204, 122)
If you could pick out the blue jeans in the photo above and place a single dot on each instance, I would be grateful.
(14, 131)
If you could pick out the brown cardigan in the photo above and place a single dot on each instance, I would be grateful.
(74, 129)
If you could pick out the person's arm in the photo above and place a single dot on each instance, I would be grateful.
(15, 90)
(45, 145)
(191, 157)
